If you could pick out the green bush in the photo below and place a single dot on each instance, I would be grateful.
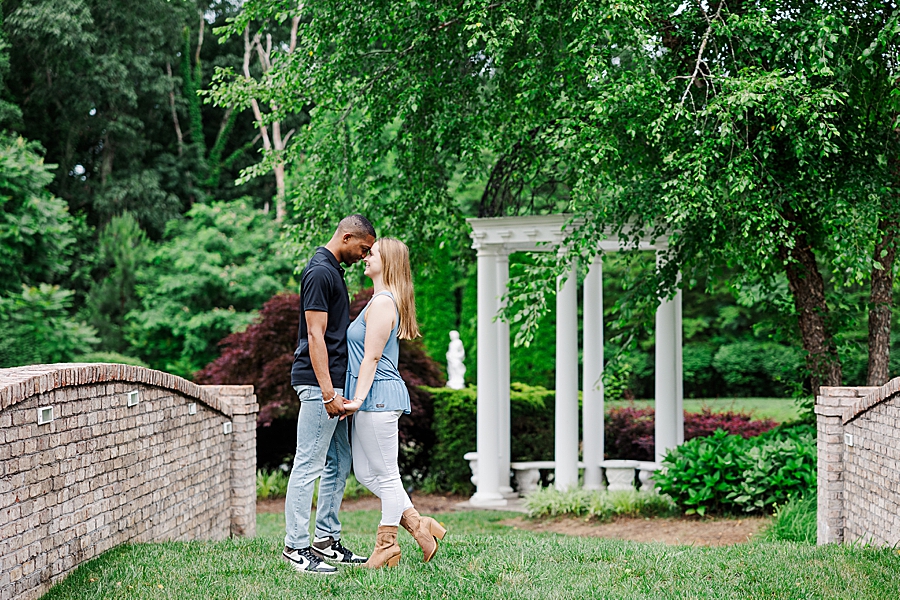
(454, 432)
(602, 505)
(273, 484)
(757, 368)
(795, 521)
(725, 473)
(36, 327)
(531, 427)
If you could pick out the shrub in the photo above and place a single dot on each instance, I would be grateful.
(725, 473)
(273, 483)
(602, 505)
(706, 422)
(759, 366)
(531, 431)
(795, 521)
(35, 327)
(629, 431)
(454, 431)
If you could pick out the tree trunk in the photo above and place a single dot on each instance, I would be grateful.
(808, 290)
(880, 304)
(280, 208)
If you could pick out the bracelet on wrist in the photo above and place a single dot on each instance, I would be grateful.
(332, 398)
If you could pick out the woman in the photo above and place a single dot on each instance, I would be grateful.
(379, 397)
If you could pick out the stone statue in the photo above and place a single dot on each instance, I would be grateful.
(456, 370)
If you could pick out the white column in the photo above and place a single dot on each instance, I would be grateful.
(503, 435)
(488, 489)
(679, 368)
(566, 434)
(592, 375)
(666, 392)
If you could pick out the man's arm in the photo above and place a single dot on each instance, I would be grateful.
(316, 322)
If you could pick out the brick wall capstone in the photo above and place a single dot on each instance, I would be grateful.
(858, 446)
(96, 455)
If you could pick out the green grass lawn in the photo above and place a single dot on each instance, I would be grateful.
(777, 409)
(480, 558)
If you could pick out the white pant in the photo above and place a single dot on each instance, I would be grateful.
(376, 442)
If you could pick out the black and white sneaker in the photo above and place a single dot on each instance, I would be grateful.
(331, 550)
(306, 561)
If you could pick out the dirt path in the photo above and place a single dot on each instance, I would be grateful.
(699, 532)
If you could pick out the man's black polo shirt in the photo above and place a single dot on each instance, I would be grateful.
(322, 287)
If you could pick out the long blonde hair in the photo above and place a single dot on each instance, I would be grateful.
(397, 278)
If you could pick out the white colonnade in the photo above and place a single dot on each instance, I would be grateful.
(494, 239)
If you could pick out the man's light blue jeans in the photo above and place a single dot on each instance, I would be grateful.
(323, 450)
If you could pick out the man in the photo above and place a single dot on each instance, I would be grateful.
(318, 374)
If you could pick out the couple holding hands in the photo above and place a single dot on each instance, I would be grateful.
(341, 369)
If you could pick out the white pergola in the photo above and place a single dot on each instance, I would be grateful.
(494, 239)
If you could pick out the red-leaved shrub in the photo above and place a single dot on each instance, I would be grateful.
(629, 431)
(261, 356)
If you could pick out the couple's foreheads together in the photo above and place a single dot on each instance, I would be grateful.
(346, 377)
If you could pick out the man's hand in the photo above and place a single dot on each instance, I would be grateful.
(335, 408)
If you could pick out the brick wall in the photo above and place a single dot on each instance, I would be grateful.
(179, 464)
(859, 464)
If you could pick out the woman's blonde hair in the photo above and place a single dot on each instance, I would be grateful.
(397, 278)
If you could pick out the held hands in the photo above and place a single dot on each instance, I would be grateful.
(351, 406)
(335, 408)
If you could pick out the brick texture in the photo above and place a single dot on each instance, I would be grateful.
(859, 464)
(103, 473)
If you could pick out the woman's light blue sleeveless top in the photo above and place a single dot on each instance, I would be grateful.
(388, 391)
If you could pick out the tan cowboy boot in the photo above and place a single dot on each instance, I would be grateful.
(425, 530)
(387, 550)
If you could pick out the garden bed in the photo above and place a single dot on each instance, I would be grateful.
(677, 531)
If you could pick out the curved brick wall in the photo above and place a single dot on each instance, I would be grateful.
(179, 464)
(859, 464)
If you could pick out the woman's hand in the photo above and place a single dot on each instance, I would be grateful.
(351, 406)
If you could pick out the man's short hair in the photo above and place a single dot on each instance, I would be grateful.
(357, 225)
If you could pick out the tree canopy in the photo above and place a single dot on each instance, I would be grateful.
(759, 136)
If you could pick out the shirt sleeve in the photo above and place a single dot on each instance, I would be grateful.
(316, 289)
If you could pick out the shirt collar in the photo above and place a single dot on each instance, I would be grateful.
(331, 258)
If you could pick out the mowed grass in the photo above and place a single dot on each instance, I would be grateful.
(480, 559)
(777, 409)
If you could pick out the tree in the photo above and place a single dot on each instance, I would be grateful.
(36, 230)
(122, 247)
(107, 90)
(207, 278)
(10, 115)
(245, 91)
(35, 327)
(749, 135)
